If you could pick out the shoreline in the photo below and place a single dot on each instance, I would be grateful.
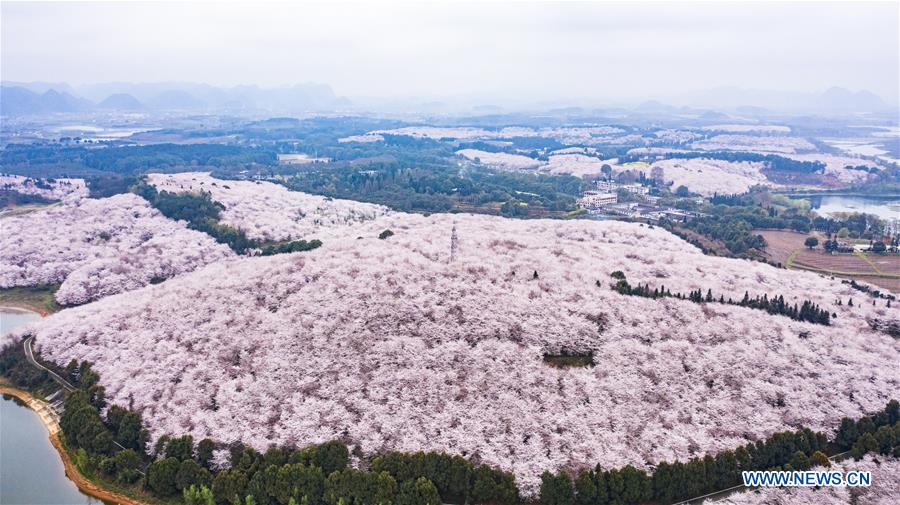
(20, 307)
(84, 484)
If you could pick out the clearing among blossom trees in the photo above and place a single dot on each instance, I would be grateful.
(386, 343)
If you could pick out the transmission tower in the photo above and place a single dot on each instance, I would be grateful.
(454, 244)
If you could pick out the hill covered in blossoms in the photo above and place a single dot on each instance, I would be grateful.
(98, 247)
(409, 343)
(269, 212)
(54, 189)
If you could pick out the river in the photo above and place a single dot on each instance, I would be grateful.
(31, 471)
(829, 205)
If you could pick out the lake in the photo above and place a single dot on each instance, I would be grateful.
(883, 207)
(11, 318)
(31, 471)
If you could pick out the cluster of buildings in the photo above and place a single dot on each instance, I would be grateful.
(605, 201)
(596, 200)
(615, 187)
(607, 193)
(649, 212)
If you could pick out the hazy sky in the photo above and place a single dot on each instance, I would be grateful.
(598, 51)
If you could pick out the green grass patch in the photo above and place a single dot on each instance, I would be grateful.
(570, 359)
(38, 298)
(790, 260)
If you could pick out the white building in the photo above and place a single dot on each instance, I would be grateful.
(614, 187)
(593, 200)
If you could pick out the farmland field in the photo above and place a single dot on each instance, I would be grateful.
(786, 247)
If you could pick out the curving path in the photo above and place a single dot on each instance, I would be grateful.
(29, 355)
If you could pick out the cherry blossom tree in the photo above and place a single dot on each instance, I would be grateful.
(97, 247)
(54, 189)
(267, 211)
(388, 344)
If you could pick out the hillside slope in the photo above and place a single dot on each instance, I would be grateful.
(98, 247)
(390, 345)
(268, 211)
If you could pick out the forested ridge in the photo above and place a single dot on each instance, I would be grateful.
(127, 160)
(442, 187)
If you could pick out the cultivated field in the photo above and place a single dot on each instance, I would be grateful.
(786, 247)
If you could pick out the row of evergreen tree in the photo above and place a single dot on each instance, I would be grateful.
(116, 445)
(203, 214)
(315, 475)
(670, 482)
(807, 311)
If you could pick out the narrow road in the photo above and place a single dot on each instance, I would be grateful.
(29, 355)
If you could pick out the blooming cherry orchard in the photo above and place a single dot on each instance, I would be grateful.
(503, 161)
(389, 344)
(267, 211)
(707, 176)
(748, 128)
(99, 247)
(836, 166)
(579, 165)
(787, 145)
(55, 189)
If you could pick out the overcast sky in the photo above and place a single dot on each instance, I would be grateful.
(596, 51)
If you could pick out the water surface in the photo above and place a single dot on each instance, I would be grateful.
(828, 205)
(11, 318)
(31, 471)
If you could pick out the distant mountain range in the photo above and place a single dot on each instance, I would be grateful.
(19, 99)
(34, 98)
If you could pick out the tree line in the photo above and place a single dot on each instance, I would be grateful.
(321, 475)
(670, 482)
(200, 211)
(731, 219)
(772, 161)
(807, 311)
(289, 247)
(11, 198)
(78, 160)
(202, 214)
(115, 446)
(440, 186)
